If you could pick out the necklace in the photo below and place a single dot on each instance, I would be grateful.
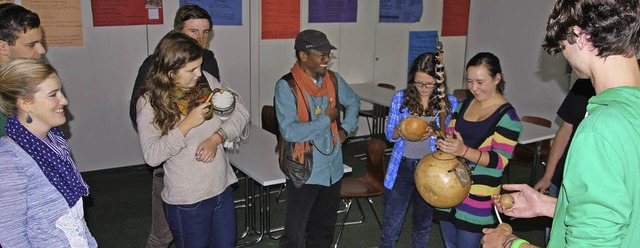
(317, 107)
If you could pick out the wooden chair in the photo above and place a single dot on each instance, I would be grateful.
(462, 94)
(370, 185)
(270, 124)
(369, 113)
(523, 154)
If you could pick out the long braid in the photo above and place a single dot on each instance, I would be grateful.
(442, 102)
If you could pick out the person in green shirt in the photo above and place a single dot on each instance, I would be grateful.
(20, 37)
(599, 201)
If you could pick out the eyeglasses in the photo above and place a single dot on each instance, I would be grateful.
(424, 85)
(323, 56)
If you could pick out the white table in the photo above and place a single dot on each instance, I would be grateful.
(380, 98)
(257, 159)
(532, 133)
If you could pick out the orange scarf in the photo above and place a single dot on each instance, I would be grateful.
(305, 84)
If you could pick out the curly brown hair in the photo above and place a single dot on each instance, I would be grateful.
(612, 26)
(173, 52)
(426, 63)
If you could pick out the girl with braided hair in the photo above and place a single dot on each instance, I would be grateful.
(421, 99)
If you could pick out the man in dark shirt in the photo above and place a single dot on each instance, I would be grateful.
(572, 112)
(191, 20)
(194, 21)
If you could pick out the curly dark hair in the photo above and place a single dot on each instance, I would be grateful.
(173, 52)
(15, 19)
(426, 63)
(612, 26)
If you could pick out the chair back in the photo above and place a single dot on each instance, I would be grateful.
(462, 94)
(376, 168)
(269, 122)
(387, 86)
(536, 120)
(522, 155)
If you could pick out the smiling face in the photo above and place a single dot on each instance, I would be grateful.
(198, 29)
(314, 62)
(46, 108)
(480, 82)
(187, 76)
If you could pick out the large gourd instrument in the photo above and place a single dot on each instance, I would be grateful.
(442, 180)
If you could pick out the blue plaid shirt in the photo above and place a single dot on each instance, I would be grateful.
(395, 116)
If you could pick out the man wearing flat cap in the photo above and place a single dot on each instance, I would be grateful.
(306, 103)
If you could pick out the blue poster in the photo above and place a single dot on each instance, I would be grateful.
(400, 10)
(333, 11)
(421, 42)
(223, 12)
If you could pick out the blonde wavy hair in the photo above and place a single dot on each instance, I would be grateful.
(19, 79)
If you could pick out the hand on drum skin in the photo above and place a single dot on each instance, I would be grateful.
(428, 134)
(528, 202)
(494, 237)
(397, 133)
(454, 145)
(206, 151)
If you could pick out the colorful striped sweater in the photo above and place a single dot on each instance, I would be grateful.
(475, 211)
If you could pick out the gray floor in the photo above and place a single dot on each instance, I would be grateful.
(118, 210)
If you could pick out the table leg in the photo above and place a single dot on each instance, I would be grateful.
(378, 120)
(535, 167)
(246, 210)
(266, 203)
(250, 217)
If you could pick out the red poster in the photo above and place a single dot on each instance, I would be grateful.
(455, 17)
(126, 12)
(280, 19)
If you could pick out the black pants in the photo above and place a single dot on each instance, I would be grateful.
(311, 215)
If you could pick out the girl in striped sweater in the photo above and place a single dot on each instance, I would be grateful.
(484, 132)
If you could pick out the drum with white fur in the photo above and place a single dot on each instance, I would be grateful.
(223, 103)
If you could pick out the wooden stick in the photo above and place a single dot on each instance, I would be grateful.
(209, 98)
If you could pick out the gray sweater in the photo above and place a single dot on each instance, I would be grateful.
(186, 180)
(32, 211)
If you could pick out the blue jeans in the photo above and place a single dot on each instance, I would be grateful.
(396, 204)
(454, 237)
(208, 223)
